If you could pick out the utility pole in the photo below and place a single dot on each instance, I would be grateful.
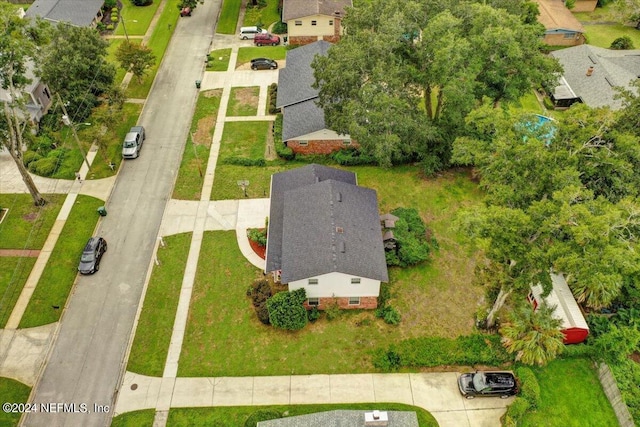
(67, 121)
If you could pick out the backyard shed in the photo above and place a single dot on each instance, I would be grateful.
(574, 326)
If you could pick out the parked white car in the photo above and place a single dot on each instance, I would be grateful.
(133, 142)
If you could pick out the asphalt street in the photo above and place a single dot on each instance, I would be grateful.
(87, 360)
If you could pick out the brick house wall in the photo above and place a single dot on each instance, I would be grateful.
(559, 39)
(367, 303)
(302, 40)
(319, 146)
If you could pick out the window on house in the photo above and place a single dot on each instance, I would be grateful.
(354, 300)
(569, 35)
(330, 21)
(313, 281)
(46, 92)
(303, 143)
(355, 281)
(313, 302)
(314, 22)
(346, 142)
(298, 23)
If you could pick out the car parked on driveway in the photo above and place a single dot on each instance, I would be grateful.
(133, 142)
(92, 254)
(488, 383)
(263, 64)
(266, 39)
(251, 32)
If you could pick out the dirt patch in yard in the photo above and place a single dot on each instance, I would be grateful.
(246, 96)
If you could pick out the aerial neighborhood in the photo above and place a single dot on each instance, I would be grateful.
(280, 213)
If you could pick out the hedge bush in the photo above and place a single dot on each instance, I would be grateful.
(45, 166)
(622, 43)
(260, 292)
(30, 156)
(313, 314)
(282, 150)
(243, 161)
(141, 2)
(286, 310)
(529, 387)
(279, 28)
(352, 157)
(412, 245)
(515, 412)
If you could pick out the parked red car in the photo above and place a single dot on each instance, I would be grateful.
(266, 39)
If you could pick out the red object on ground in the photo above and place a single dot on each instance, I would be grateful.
(186, 11)
(259, 250)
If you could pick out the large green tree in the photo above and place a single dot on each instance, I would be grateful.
(136, 58)
(406, 73)
(74, 65)
(18, 46)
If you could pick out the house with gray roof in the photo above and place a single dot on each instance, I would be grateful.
(85, 13)
(36, 95)
(304, 129)
(593, 74)
(312, 20)
(324, 236)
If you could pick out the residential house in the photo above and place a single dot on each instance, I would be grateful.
(303, 128)
(312, 20)
(36, 95)
(324, 236)
(593, 74)
(561, 27)
(573, 324)
(85, 13)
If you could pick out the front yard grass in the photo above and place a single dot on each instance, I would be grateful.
(219, 60)
(14, 272)
(602, 35)
(228, 18)
(262, 17)
(243, 101)
(27, 226)
(12, 391)
(225, 182)
(61, 270)
(158, 43)
(134, 419)
(571, 396)
(246, 54)
(244, 139)
(153, 333)
(196, 154)
(136, 18)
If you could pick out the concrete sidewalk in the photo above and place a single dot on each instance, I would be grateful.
(435, 392)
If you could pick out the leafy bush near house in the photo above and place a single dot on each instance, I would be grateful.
(30, 156)
(617, 344)
(45, 166)
(515, 412)
(282, 150)
(332, 310)
(529, 387)
(261, 415)
(273, 96)
(286, 310)
(352, 157)
(412, 242)
(475, 349)
(109, 4)
(279, 28)
(260, 292)
(258, 236)
(141, 2)
(390, 315)
(622, 43)
(313, 314)
(244, 161)
(627, 375)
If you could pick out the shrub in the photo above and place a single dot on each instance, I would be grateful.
(260, 292)
(110, 4)
(391, 316)
(114, 18)
(243, 161)
(598, 324)
(352, 157)
(313, 314)
(515, 412)
(279, 28)
(263, 314)
(100, 26)
(45, 166)
(286, 310)
(387, 361)
(529, 387)
(412, 244)
(261, 415)
(110, 27)
(141, 2)
(258, 236)
(114, 9)
(333, 310)
(627, 375)
(615, 345)
(578, 351)
(30, 156)
(384, 294)
(622, 43)
(282, 150)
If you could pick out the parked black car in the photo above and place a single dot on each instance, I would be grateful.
(92, 254)
(263, 64)
(486, 383)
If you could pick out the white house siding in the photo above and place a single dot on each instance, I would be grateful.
(322, 27)
(323, 135)
(337, 285)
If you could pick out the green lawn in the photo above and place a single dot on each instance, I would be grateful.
(219, 60)
(12, 391)
(158, 43)
(246, 54)
(61, 270)
(194, 159)
(14, 272)
(153, 333)
(225, 181)
(606, 13)
(228, 19)
(571, 396)
(137, 18)
(527, 104)
(244, 139)
(603, 35)
(27, 226)
(243, 101)
(142, 418)
(262, 17)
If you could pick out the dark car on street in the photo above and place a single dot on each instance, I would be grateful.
(92, 254)
(488, 383)
(263, 64)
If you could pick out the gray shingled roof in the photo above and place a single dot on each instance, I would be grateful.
(302, 119)
(290, 180)
(76, 12)
(341, 418)
(293, 9)
(296, 78)
(610, 68)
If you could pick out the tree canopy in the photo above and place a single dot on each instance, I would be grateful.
(406, 73)
(135, 58)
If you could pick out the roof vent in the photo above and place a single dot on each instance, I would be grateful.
(337, 13)
(589, 71)
(339, 230)
(342, 247)
(339, 196)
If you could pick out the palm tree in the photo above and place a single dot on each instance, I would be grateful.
(534, 336)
